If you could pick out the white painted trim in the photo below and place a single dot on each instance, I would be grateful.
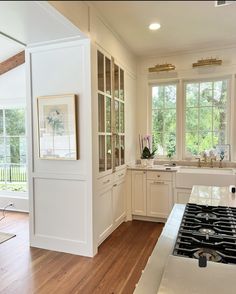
(61, 245)
(20, 203)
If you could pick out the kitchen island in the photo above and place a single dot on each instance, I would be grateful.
(165, 273)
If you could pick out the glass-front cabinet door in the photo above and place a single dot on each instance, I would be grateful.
(111, 113)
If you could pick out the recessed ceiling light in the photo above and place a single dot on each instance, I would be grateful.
(154, 26)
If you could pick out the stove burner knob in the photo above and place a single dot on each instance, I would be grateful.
(202, 261)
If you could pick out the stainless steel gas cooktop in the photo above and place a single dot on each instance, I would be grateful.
(207, 231)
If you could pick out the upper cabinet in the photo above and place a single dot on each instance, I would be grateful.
(111, 113)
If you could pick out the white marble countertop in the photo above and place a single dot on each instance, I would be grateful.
(154, 168)
(168, 274)
(184, 276)
(212, 196)
(152, 274)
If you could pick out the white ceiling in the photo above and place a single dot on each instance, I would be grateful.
(34, 22)
(186, 25)
(8, 48)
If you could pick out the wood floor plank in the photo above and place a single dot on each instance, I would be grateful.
(114, 270)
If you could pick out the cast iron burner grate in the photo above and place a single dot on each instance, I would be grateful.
(207, 231)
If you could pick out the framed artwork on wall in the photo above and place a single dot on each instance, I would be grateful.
(57, 127)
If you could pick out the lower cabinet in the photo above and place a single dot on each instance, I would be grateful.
(110, 209)
(152, 193)
(118, 199)
(159, 195)
(182, 195)
(139, 192)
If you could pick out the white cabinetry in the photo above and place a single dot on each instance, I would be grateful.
(151, 193)
(159, 198)
(105, 219)
(119, 207)
(182, 195)
(139, 192)
(111, 205)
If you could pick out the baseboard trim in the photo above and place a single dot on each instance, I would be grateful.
(20, 204)
(149, 219)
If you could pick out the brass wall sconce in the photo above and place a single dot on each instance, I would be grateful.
(207, 62)
(162, 67)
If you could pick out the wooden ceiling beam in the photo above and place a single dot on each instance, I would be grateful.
(12, 62)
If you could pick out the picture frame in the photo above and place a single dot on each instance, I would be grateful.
(57, 127)
(223, 148)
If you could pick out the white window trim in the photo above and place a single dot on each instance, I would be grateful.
(181, 109)
(11, 104)
(149, 123)
(184, 157)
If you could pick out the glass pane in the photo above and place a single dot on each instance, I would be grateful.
(206, 94)
(109, 153)
(191, 143)
(158, 143)
(100, 71)
(205, 141)
(219, 119)
(108, 115)
(192, 95)
(1, 122)
(108, 76)
(157, 97)
(23, 150)
(205, 119)
(13, 150)
(116, 81)
(191, 119)
(170, 96)
(220, 93)
(101, 113)
(170, 144)
(170, 120)
(101, 153)
(2, 150)
(122, 149)
(157, 121)
(122, 118)
(117, 151)
(116, 116)
(15, 122)
(219, 138)
(121, 84)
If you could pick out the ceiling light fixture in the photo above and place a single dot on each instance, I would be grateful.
(154, 26)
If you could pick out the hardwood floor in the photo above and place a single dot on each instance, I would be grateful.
(115, 269)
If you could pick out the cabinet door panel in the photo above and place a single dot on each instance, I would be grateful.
(158, 198)
(105, 219)
(182, 195)
(139, 193)
(118, 202)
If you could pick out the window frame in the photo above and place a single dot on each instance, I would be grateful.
(181, 111)
(228, 106)
(149, 126)
(14, 104)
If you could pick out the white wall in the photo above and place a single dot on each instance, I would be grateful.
(61, 191)
(13, 92)
(12, 85)
(184, 71)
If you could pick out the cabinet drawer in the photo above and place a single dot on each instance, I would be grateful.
(160, 176)
(104, 182)
(119, 175)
